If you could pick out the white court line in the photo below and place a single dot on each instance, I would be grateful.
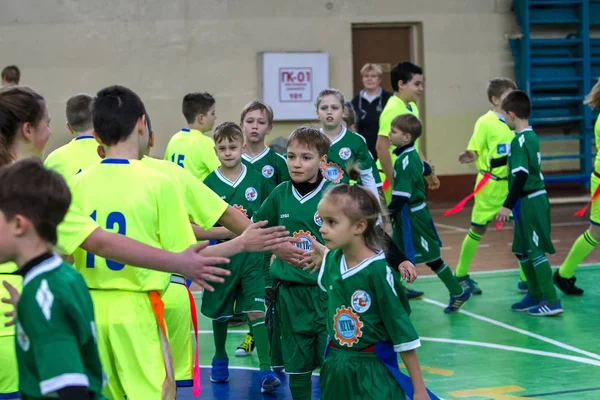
(501, 271)
(452, 227)
(518, 330)
(510, 227)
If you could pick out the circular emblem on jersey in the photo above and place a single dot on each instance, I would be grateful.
(361, 301)
(347, 326)
(268, 171)
(240, 209)
(332, 172)
(22, 338)
(251, 194)
(345, 153)
(304, 240)
(318, 219)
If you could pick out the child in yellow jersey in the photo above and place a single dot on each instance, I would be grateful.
(79, 153)
(191, 148)
(491, 139)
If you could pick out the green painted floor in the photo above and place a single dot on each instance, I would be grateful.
(489, 352)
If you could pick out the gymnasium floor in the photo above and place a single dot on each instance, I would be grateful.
(486, 351)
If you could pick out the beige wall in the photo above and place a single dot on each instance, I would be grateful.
(164, 49)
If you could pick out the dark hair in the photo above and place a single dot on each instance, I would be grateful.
(256, 105)
(518, 103)
(40, 195)
(593, 98)
(358, 203)
(148, 123)
(116, 111)
(11, 74)
(403, 71)
(18, 105)
(195, 104)
(79, 112)
(408, 123)
(228, 130)
(311, 138)
(497, 87)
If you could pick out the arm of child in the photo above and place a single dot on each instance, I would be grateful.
(217, 233)
(476, 145)
(411, 361)
(383, 153)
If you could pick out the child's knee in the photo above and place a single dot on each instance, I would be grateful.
(436, 265)
(252, 316)
(479, 229)
(594, 232)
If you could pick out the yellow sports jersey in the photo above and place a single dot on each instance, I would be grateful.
(491, 139)
(194, 151)
(74, 157)
(7, 273)
(597, 133)
(203, 206)
(74, 229)
(129, 198)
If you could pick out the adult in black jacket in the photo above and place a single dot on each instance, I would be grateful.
(369, 103)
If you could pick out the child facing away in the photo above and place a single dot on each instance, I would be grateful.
(414, 231)
(528, 200)
(56, 349)
(191, 148)
(367, 312)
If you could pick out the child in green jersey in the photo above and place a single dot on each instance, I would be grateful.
(367, 312)
(56, 348)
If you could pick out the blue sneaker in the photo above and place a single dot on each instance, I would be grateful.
(220, 371)
(528, 303)
(414, 294)
(469, 284)
(269, 382)
(546, 310)
(522, 287)
(457, 302)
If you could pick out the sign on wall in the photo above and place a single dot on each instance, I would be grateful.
(291, 82)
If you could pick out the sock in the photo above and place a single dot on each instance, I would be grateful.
(467, 251)
(301, 386)
(543, 273)
(250, 328)
(582, 248)
(522, 273)
(261, 340)
(220, 337)
(445, 274)
(276, 356)
(533, 286)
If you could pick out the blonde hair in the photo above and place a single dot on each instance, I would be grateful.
(368, 67)
(330, 92)
(593, 98)
(256, 105)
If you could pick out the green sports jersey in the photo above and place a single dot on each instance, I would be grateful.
(491, 139)
(408, 177)
(270, 164)
(55, 332)
(524, 155)
(286, 207)
(363, 307)
(348, 148)
(597, 136)
(245, 194)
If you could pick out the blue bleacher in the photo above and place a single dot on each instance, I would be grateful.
(558, 72)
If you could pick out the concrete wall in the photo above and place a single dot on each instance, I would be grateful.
(164, 49)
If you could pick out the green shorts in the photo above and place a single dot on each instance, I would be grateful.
(353, 375)
(420, 228)
(242, 292)
(301, 310)
(488, 201)
(532, 226)
(595, 206)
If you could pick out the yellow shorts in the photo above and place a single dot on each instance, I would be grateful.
(9, 374)
(129, 345)
(488, 201)
(595, 206)
(179, 327)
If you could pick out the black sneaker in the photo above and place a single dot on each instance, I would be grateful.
(567, 285)
(414, 294)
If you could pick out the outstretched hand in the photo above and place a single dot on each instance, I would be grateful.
(315, 258)
(200, 269)
(13, 299)
(256, 238)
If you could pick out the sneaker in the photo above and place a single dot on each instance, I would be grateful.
(546, 310)
(522, 287)
(414, 294)
(220, 371)
(278, 369)
(567, 285)
(457, 302)
(269, 382)
(469, 284)
(528, 303)
(246, 348)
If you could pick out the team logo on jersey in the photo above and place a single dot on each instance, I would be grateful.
(304, 240)
(361, 301)
(268, 171)
(502, 148)
(332, 172)
(347, 326)
(345, 153)
(22, 338)
(240, 209)
(318, 219)
(251, 194)
(521, 140)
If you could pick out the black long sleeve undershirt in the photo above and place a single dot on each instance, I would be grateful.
(74, 393)
(498, 162)
(516, 190)
(393, 255)
(396, 205)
